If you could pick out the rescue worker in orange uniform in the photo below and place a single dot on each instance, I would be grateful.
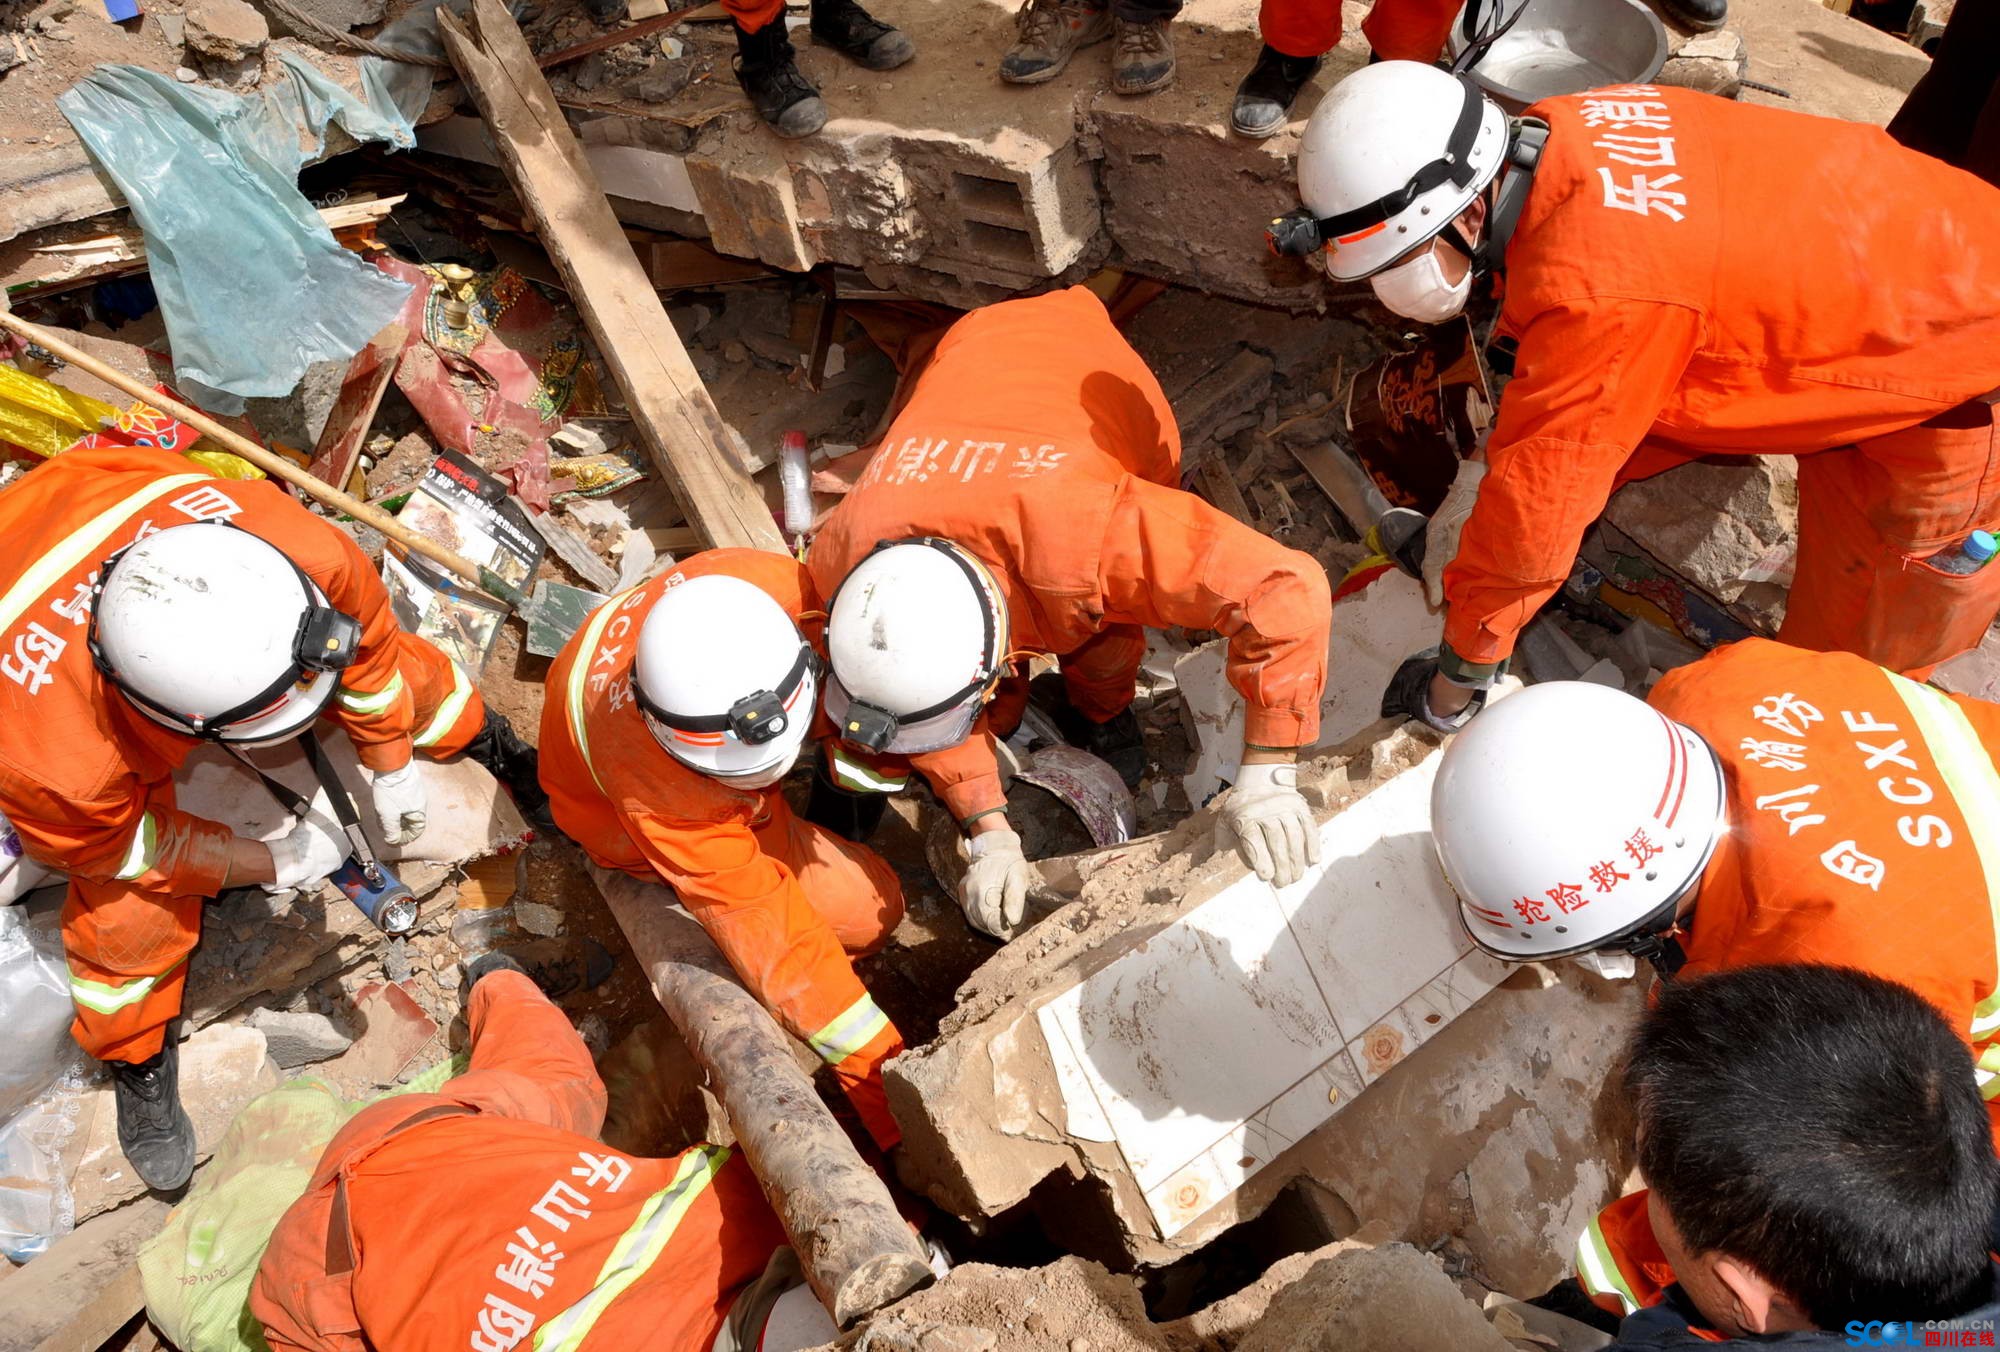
(146, 607)
(1772, 805)
(671, 717)
(530, 1232)
(1299, 33)
(1685, 276)
(1023, 502)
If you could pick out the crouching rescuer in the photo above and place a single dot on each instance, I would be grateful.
(1024, 503)
(149, 608)
(671, 718)
(1766, 804)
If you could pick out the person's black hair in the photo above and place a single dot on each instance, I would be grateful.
(1822, 1126)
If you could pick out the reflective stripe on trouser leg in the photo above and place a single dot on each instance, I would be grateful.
(856, 1026)
(636, 1250)
(1974, 785)
(1598, 1270)
(103, 997)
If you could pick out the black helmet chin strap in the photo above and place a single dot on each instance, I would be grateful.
(1510, 193)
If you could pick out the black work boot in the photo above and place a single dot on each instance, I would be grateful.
(153, 1129)
(1704, 15)
(514, 763)
(859, 36)
(1118, 742)
(768, 69)
(559, 966)
(849, 814)
(1265, 97)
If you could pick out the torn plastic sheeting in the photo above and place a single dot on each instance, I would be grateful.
(212, 179)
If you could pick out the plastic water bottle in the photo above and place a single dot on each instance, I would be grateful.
(1970, 556)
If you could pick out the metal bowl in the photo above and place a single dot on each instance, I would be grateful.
(1565, 47)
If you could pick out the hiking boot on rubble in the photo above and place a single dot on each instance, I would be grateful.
(1142, 59)
(768, 69)
(153, 1129)
(859, 36)
(1049, 34)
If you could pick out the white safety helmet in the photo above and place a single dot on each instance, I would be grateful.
(725, 680)
(1389, 158)
(917, 638)
(1572, 816)
(215, 632)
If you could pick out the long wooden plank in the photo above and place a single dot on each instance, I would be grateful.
(671, 408)
(86, 1279)
(353, 412)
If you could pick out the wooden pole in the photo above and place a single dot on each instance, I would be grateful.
(670, 407)
(270, 462)
(857, 1251)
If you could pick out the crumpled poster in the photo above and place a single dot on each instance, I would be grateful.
(496, 388)
(251, 282)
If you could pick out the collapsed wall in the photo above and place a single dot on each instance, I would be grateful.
(1192, 1041)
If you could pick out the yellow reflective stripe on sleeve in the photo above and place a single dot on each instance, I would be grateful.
(359, 702)
(1972, 782)
(636, 1250)
(141, 851)
(447, 712)
(579, 681)
(856, 1027)
(103, 998)
(858, 778)
(1986, 1072)
(80, 544)
(1598, 1270)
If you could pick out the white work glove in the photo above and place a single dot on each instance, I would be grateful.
(994, 892)
(1447, 524)
(399, 804)
(1272, 827)
(306, 854)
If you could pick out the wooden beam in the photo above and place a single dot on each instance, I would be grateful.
(353, 412)
(671, 408)
(88, 1279)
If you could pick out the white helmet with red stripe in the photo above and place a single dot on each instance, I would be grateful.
(725, 680)
(1390, 156)
(1571, 817)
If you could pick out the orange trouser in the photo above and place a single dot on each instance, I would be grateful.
(1869, 515)
(852, 887)
(1397, 30)
(751, 15)
(1619, 1262)
(128, 949)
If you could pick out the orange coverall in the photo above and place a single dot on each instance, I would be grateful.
(785, 901)
(87, 779)
(1694, 276)
(529, 1231)
(1038, 440)
(1863, 815)
(1397, 30)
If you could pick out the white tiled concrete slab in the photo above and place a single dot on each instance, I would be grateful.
(1258, 1015)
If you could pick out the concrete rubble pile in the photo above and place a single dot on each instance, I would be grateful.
(1181, 1110)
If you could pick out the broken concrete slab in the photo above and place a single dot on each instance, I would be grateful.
(1181, 1029)
(227, 31)
(297, 1038)
(1374, 629)
(222, 1067)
